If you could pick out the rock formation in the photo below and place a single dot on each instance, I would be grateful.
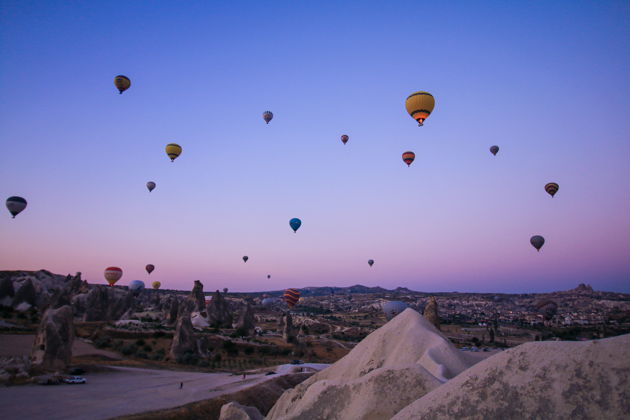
(184, 342)
(6, 292)
(52, 348)
(173, 309)
(236, 411)
(198, 297)
(219, 314)
(104, 303)
(289, 332)
(25, 294)
(431, 312)
(392, 367)
(245, 322)
(560, 380)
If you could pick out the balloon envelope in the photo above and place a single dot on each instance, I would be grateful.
(173, 150)
(149, 268)
(420, 105)
(245, 258)
(371, 262)
(393, 308)
(15, 205)
(136, 285)
(345, 138)
(537, 242)
(552, 188)
(408, 157)
(150, 186)
(291, 297)
(267, 116)
(156, 285)
(295, 224)
(113, 274)
(122, 83)
(268, 301)
(494, 150)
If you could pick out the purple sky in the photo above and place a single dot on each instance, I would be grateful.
(546, 81)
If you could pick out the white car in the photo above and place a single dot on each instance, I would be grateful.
(74, 380)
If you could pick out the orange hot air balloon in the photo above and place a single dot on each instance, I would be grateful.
(149, 268)
(112, 275)
(408, 157)
(291, 297)
(345, 138)
(420, 105)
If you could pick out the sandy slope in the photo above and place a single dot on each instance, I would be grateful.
(389, 369)
(543, 380)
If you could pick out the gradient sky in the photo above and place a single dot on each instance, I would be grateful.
(546, 81)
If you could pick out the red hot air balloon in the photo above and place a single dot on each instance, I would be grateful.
(112, 275)
(291, 297)
(408, 157)
(345, 138)
(149, 268)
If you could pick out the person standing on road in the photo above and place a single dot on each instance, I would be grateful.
(181, 385)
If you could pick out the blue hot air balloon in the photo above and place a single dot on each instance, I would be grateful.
(295, 224)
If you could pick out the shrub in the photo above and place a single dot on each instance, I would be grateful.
(103, 342)
(249, 350)
(129, 349)
(142, 355)
(147, 348)
(140, 342)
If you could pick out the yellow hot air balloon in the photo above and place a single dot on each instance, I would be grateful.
(173, 150)
(419, 105)
(156, 285)
(122, 83)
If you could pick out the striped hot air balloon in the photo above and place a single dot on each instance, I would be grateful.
(112, 275)
(420, 105)
(267, 116)
(122, 83)
(291, 297)
(408, 157)
(345, 138)
(552, 188)
(173, 150)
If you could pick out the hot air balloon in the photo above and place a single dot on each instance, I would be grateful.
(245, 258)
(112, 275)
(295, 224)
(150, 186)
(268, 301)
(268, 276)
(552, 188)
(225, 290)
(173, 150)
(419, 105)
(345, 138)
(371, 262)
(267, 116)
(393, 308)
(408, 157)
(122, 83)
(291, 297)
(494, 150)
(15, 205)
(156, 285)
(149, 268)
(136, 285)
(537, 242)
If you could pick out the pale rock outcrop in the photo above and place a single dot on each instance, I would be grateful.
(236, 411)
(541, 380)
(52, 348)
(431, 312)
(198, 321)
(246, 320)
(219, 313)
(25, 294)
(396, 364)
(184, 341)
(197, 296)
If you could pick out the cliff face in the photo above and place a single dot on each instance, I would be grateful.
(52, 349)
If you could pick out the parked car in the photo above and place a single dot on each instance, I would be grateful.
(74, 380)
(297, 362)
